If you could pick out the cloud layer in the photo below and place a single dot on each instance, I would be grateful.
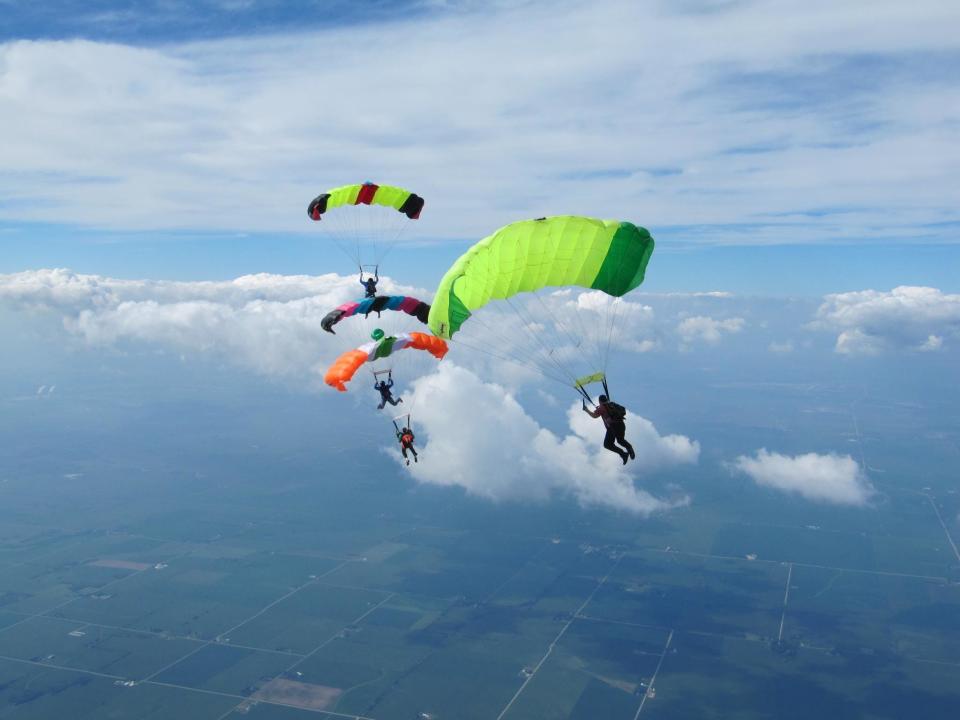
(909, 318)
(477, 436)
(268, 323)
(724, 119)
(830, 478)
(471, 433)
(707, 329)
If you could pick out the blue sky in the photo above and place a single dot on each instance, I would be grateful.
(770, 147)
(768, 270)
(155, 22)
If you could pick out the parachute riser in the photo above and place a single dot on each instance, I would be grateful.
(586, 396)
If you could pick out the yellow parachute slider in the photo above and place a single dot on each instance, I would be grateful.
(587, 379)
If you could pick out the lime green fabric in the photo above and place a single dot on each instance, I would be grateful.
(386, 195)
(606, 255)
(588, 379)
(346, 195)
(391, 196)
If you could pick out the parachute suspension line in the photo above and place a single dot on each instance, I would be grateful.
(583, 333)
(373, 247)
(548, 351)
(516, 360)
(518, 354)
(530, 358)
(506, 358)
(618, 304)
(614, 310)
(390, 242)
(577, 343)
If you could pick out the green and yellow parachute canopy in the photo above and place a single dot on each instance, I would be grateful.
(368, 193)
(566, 250)
(365, 220)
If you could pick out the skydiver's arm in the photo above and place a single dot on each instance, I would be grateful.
(390, 383)
(591, 413)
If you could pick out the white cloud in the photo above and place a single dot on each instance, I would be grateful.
(857, 342)
(827, 478)
(711, 117)
(477, 436)
(561, 334)
(871, 321)
(931, 344)
(707, 329)
(267, 323)
(781, 348)
(616, 322)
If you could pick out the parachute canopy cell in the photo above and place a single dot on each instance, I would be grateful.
(606, 255)
(404, 201)
(346, 366)
(410, 305)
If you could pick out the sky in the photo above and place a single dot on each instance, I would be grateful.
(156, 146)
(797, 162)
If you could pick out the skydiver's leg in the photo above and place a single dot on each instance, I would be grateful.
(620, 430)
(608, 444)
(383, 402)
(392, 401)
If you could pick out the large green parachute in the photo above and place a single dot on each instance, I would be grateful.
(567, 250)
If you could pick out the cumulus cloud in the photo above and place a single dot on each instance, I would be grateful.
(931, 344)
(271, 323)
(618, 322)
(906, 318)
(561, 334)
(477, 436)
(829, 478)
(267, 323)
(706, 329)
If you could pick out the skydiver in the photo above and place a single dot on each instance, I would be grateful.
(370, 284)
(405, 436)
(613, 416)
(385, 395)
